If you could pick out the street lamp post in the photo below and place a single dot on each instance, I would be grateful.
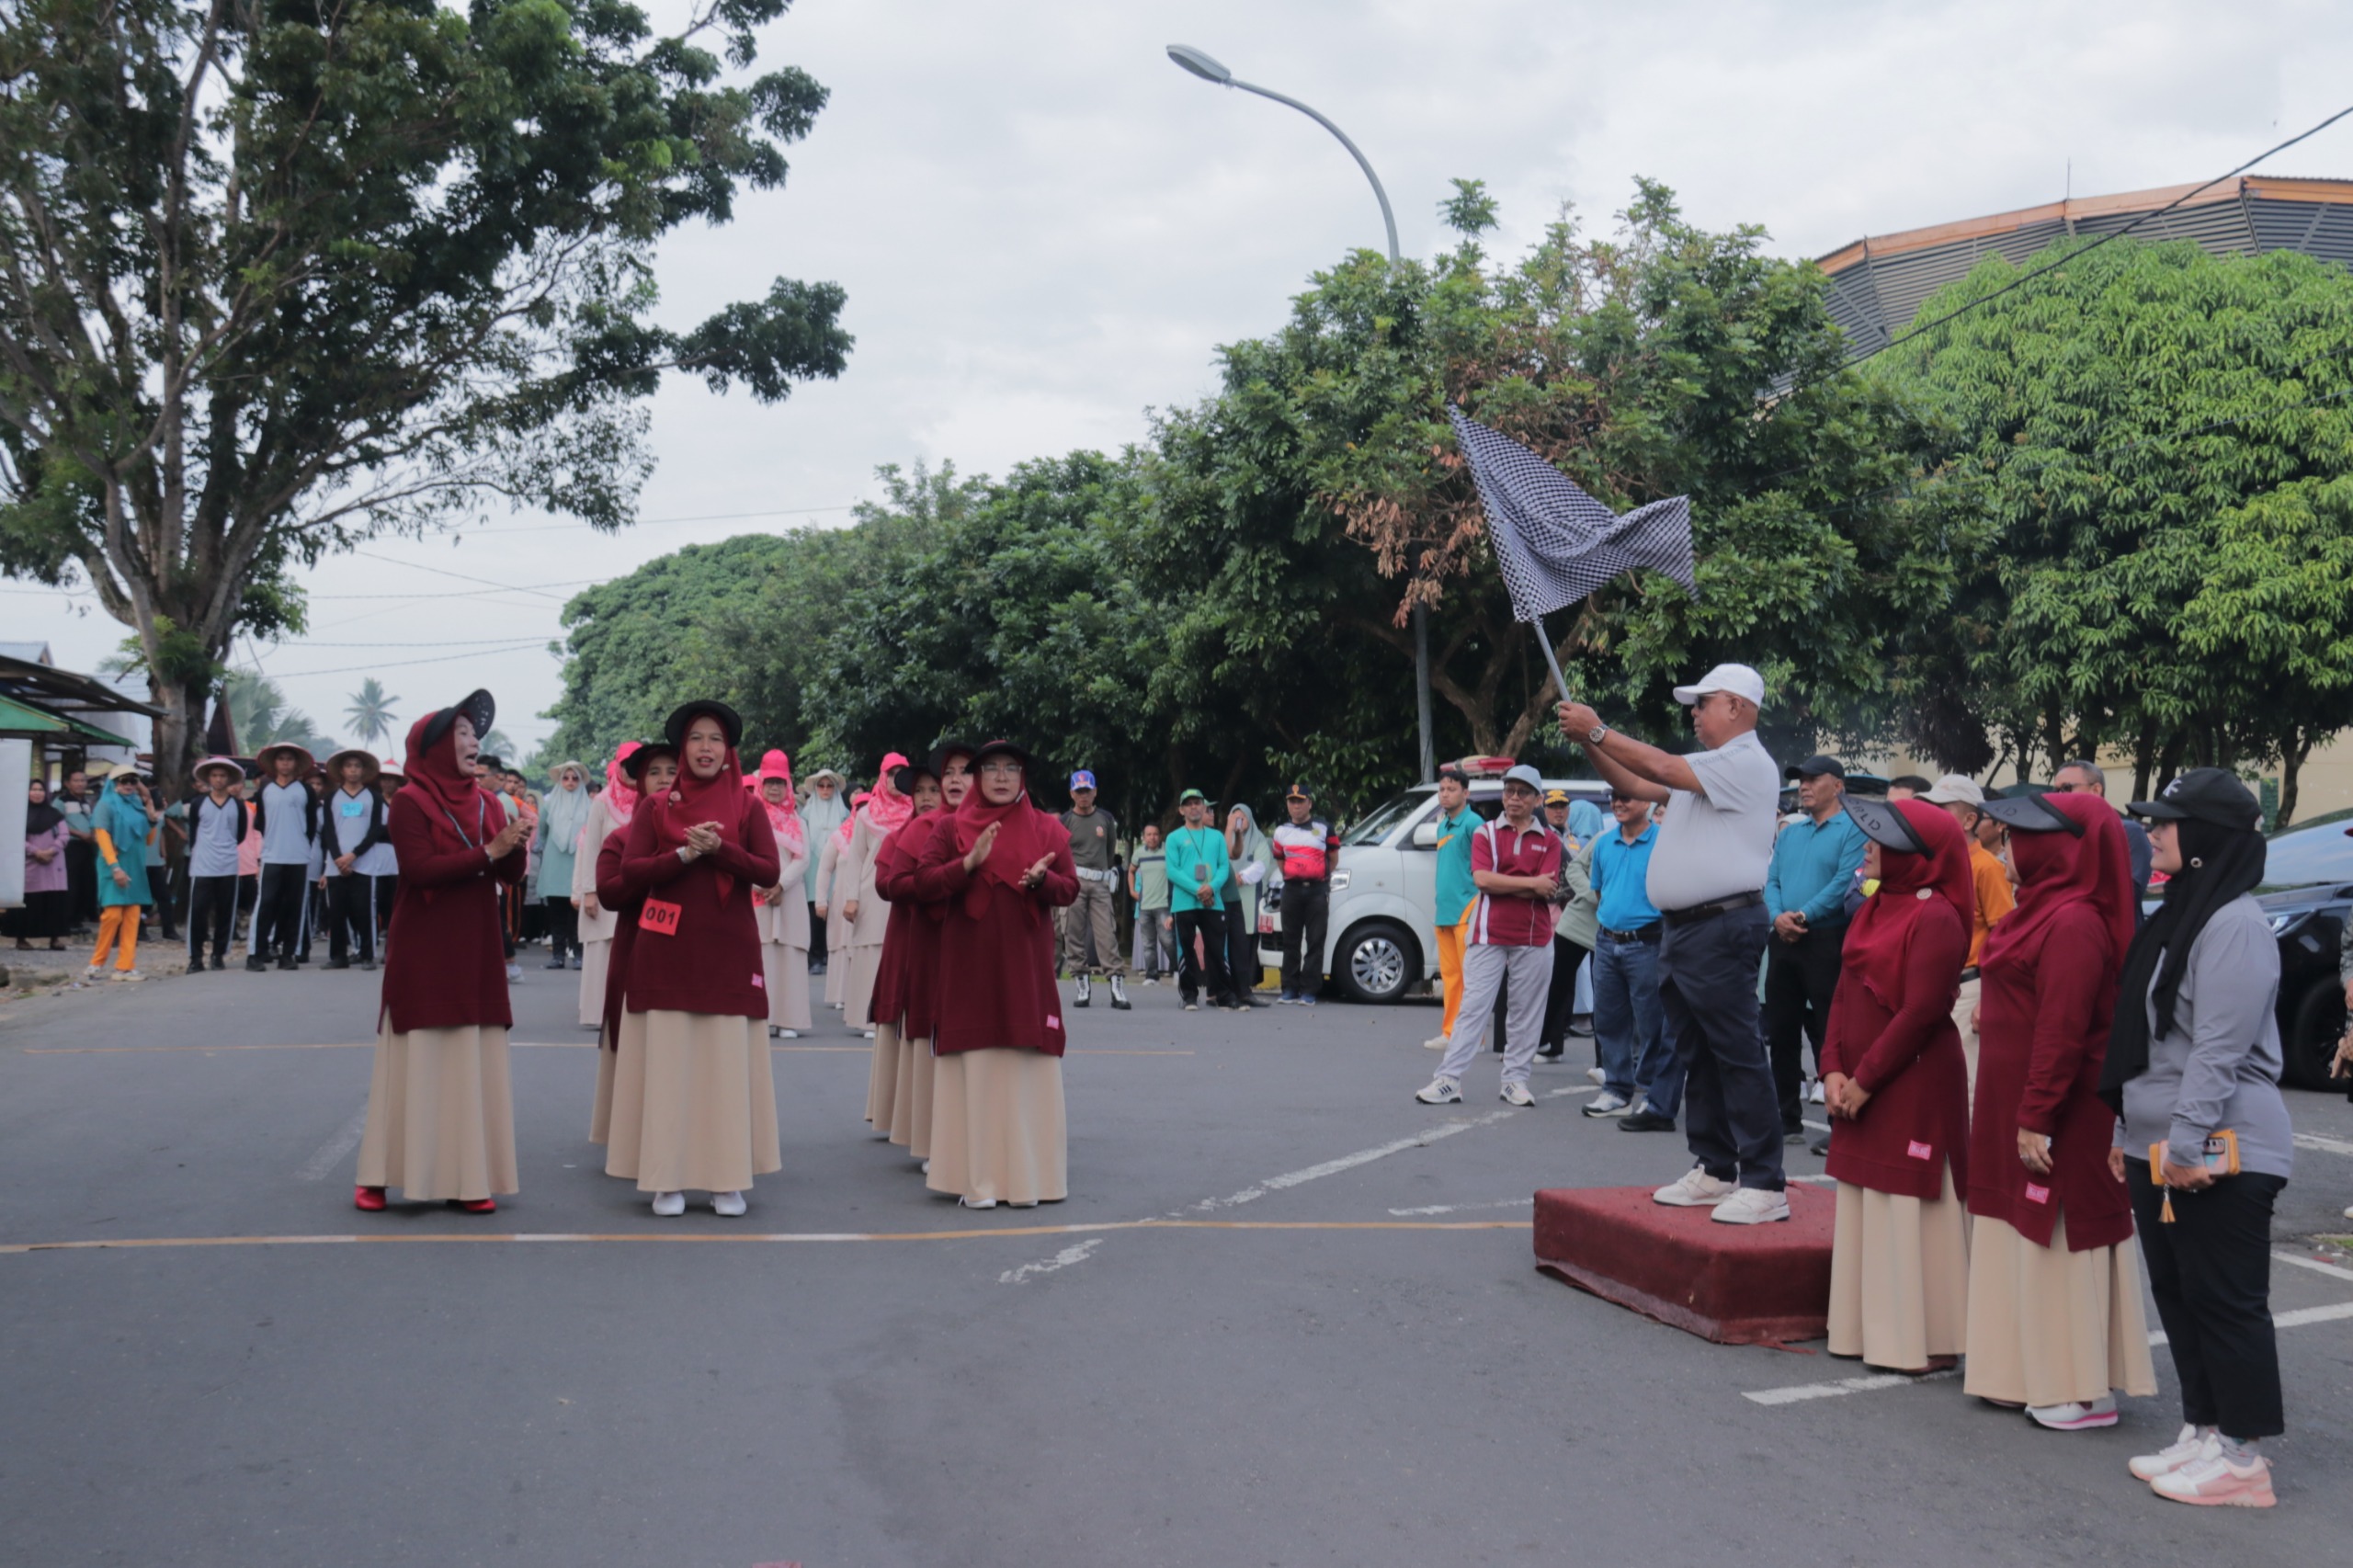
(1209, 70)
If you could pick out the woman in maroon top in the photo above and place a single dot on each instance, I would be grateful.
(2054, 1285)
(1001, 867)
(440, 1109)
(906, 987)
(650, 768)
(694, 1103)
(887, 1004)
(1897, 1087)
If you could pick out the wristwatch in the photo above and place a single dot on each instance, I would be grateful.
(1597, 734)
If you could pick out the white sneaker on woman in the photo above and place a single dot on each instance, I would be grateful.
(669, 1205)
(727, 1204)
(2184, 1450)
(2075, 1417)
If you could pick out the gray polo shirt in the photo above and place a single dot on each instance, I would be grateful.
(1719, 844)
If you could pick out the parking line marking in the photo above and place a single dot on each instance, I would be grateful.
(319, 1166)
(2325, 1145)
(2315, 1265)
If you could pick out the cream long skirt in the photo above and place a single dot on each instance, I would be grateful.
(857, 999)
(836, 957)
(2050, 1326)
(997, 1126)
(601, 1114)
(594, 957)
(1899, 1277)
(786, 970)
(912, 1095)
(693, 1103)
(883, 1078)
(440, 1114)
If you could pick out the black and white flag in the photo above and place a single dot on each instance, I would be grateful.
(1557, 544)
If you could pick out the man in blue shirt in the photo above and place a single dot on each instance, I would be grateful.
(1814, 860)
(1640, 1079)
(1198, 866)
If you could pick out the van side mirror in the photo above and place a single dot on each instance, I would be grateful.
(1425, 835)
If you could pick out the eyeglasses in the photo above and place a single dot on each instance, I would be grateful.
(1001, 768)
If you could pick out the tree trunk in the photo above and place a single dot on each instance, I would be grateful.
(2145, 758)
(2294, 747)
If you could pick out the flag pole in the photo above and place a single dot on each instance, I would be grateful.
(1544, 641)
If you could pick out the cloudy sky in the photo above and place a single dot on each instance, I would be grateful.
(1045, 228)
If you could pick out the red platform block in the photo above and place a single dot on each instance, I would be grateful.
(1734, 1284)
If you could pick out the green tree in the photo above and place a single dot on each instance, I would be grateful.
(370, 713)
(276, 278)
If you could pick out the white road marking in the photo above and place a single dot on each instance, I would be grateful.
(1816, 1180)
(1461, 1208)
(2315, 1265)
(2325, 1145)
(321, 1165)
(1062, 1259)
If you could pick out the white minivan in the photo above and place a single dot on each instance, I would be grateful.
(1381, 942)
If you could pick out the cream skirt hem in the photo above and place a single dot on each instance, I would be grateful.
(883, 1078)
(2050, 1326)
(440, 1114)
(999, 1129)
(594, 957)
(1899, 1277)
(786, 970)
(694, 1103)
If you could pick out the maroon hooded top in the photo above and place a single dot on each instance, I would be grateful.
(1890, 1020)
(2050, 974)
(445, 966)
(996, 939)
(709, 960)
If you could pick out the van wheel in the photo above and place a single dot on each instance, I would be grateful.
(1379, 961)
(2312, 1039)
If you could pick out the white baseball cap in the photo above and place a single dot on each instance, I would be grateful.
(1738, 679)
(1955, 789)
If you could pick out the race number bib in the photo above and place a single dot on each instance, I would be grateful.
(658, 917)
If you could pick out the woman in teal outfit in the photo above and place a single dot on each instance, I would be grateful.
(121, 826)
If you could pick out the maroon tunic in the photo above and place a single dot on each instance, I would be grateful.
(907, 977)
(996, 960)
(614, 894)
(445, 967)
(1908, 1058)
(711, 963)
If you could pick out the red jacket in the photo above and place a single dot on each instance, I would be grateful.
(996, 968)
(906, 984)
(711, 963)
(2042, 1039)
(445, 966)
(1909, 1061)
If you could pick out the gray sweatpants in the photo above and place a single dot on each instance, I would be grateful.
(1483, 969)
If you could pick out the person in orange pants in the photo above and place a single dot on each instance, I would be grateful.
(124, 820)
(1456, 894)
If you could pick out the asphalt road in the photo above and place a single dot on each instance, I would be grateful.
(1345, 1357)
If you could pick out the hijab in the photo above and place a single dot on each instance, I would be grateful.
(39, 815)
(783, 820)
(2219, 865)
(850, 818)
(2057, 868)
(887, 809)
(461, 814)
(1881, 932)
(717, 799)
(620, 796)
(122, 817)
(565, 811)
(1023, 835)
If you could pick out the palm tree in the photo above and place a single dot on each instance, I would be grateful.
(262, 717)
(495, 744)
(370, 711)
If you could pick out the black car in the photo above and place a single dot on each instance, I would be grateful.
(2307, 892)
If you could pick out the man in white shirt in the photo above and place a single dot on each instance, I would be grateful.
(1707, 879)
(286, 814)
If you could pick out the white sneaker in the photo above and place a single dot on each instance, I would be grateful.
(2218, 1478)
(1441, 1091)
(976, 1202)
(514, 972)
(866, 1034)
(2186, 1447)
(669, 1205)
(1597, 1075)
(2075, 1417)
(1696, 1189)
(1436, 1042)
(1751, 1206)
(1516, 1095)
(128, 974)
(727, 1204)
(1814, 1094)
(788, 1034)
(1608, 1104)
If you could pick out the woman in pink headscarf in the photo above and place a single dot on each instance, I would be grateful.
(863, 905)
(608, 815)
(783, 910)
(828, 904)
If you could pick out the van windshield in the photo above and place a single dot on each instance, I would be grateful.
(1383, 821)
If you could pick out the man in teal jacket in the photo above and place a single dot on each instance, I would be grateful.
(1198, 866)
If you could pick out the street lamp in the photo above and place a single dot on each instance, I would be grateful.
(1209, 70)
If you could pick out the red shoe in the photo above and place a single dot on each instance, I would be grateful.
(371, 1199)
(479, 1205)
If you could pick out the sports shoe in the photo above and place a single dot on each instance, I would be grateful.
(1608, 1104)
(1441, 1091)
(555, 962)
(128, 974)
(1307, 1001)
(1597, 1075)
(1696, 1189)
(669, 1205)
(1085, 993)
(220, 963)
(1436, 1042)
(1645, 1120)
(256, 965)
(514, 971)
(371, 1199)
(1193, 1006)
(2216, 1480)
(1751, 1206)
(1120, 1003)
(2077, 1417)
(1813, 1094)
(336, 963)
(976, 1202)
(2187, 1448)
(1517, 1093)
(1286, 999)
(727, 1204)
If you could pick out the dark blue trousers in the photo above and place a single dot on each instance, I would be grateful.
(1707, 982)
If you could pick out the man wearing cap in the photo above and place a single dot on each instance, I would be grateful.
(1094, 849)
(286, 814)
(1308, 848)
(1706, 879)
(1960, 795)
(2083, 777)
(1515, 864)
(823, 814)
(1815, 862)
(355, 824)
(215, 822)
(1198, 866)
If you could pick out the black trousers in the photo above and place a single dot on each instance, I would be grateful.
(349, 920)
(816, 935)
(164, 882)
(1800, 979)
(211, 914)
(1307, 918)
(1560, 1001)
(563, 927)
(278, 918)
(2210, 1273)
(1707, 986)
(1208, 925)
(1241, 950)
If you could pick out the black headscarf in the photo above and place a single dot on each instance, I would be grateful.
(2217, 865)
(39, 815)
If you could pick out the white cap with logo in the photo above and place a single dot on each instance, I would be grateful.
(1738, 679)
(1956, 789)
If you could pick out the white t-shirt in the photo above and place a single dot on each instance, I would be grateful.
(1720, 844)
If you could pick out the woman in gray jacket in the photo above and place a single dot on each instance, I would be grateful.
(2194, 1053)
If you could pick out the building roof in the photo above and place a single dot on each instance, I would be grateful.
(1878, 283)
(28, 721)
(64, 691)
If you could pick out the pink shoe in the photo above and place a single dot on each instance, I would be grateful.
(2219, 1482)
(371, 1199)
(2076, 1418)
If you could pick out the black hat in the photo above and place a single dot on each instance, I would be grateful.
(478, 708)
(1815, 766)
(1884, 825)
(637, 762)
(2030, 813)
(903, 777)
(1003, 748)
(952, 747)
(731, 722)
(2209, 794)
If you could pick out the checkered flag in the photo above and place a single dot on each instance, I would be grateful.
(1555, 543)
